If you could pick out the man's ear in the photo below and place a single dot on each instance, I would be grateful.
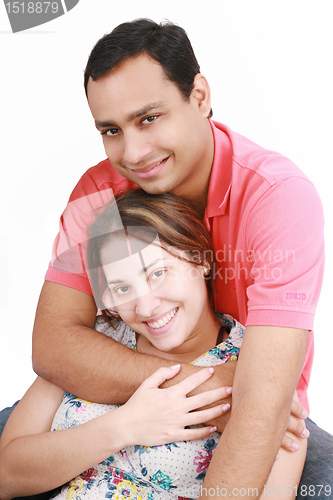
(201, 94)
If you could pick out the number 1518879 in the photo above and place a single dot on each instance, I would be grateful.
(32, 7)
(311, 490)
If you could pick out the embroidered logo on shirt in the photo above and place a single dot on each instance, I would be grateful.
(295, 296)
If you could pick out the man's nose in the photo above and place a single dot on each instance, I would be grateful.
(136, 149)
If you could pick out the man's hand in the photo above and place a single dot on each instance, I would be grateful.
(296, 427)
(223, 377)
(263, 390)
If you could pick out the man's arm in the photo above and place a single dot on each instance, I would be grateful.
(268, 369)
(70, 353)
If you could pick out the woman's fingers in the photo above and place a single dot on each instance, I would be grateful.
(208, 397)
(193, 381)
(196, 433)
(160, 376)
(199, 417)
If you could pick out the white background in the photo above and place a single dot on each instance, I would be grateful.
(269, 64)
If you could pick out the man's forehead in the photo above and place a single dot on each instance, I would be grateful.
(139, 63)
(137, 78)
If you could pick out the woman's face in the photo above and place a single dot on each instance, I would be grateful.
(160, 296)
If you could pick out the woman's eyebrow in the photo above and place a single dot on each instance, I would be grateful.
(114, 282)
(145, 268)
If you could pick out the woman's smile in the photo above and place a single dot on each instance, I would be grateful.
(163, 324)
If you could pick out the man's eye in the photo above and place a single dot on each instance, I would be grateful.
(149, 119)
(110, 132)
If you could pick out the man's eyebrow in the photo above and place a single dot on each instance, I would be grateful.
(136, 114)
(146, 109)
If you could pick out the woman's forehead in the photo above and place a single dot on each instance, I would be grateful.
(128, 251)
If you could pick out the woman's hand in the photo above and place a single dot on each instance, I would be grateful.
(154, 416)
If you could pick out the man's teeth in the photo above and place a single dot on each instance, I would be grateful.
(163, 321)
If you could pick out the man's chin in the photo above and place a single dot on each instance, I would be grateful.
(155, 188)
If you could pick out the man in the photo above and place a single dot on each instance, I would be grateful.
(152, 107)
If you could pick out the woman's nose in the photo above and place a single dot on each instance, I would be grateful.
(146, 304)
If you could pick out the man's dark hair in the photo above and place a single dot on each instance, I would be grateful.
(167, 43)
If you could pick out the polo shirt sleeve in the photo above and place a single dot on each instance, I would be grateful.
(285, 232)
(68, 263)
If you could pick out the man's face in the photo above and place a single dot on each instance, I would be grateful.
(151, 134)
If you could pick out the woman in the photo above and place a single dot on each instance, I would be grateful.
(152, 268)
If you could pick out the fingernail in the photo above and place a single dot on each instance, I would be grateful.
(226, 407)
(174, 367)
(211, 369)
(305, 433)
(229, 390)
(304, 414)
(213, 429)
(277, 457)
(295, 446)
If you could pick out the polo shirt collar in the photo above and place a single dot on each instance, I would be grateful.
(220, 179)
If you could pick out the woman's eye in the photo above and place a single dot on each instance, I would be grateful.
(121, 290)
(157, 274)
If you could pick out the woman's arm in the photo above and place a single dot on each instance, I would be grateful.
(34, 460)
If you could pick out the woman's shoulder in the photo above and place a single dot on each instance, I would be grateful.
(117, 330)
(228, 350)
(234, 328)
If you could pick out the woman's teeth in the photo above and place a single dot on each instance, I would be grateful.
(163, 321)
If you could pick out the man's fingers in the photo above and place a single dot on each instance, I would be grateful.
(297, 410)
(289, 444)
(298, 428)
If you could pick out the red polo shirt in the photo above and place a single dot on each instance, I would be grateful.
(266, 221)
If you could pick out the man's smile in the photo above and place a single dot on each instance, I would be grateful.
(150, 170)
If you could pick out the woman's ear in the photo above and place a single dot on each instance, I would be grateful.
(205, 268)
(201, 94)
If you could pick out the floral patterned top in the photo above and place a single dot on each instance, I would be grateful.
(171, 471)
